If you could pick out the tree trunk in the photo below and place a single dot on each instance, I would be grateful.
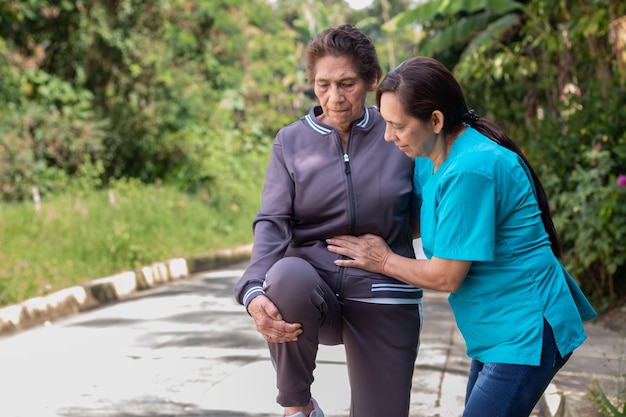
(617, 36)
(392, 59)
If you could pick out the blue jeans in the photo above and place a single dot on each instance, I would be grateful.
(505, 390)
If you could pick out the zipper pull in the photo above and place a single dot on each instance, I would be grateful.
(346, 161)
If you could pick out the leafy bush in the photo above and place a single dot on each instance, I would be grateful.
(124, 83)
(589, 207)
(44, 141)
(555, 85)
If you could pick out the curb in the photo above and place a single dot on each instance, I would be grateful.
(72, 300)
(556, 403)
(552, 403)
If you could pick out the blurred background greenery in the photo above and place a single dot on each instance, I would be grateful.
(146, 125)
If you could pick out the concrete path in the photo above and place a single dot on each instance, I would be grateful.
(600, 360)
(187, 349)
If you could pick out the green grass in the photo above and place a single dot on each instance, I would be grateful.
(78, 236)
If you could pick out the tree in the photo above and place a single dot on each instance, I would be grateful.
(48, 128)
(551, 73)
(470, 24)
(138, 88)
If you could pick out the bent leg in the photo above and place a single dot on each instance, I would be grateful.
(301, 296)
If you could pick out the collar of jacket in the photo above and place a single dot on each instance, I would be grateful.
(318, 126)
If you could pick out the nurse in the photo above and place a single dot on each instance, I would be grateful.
(488, 237)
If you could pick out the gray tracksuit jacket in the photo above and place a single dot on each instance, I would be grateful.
(313, 191)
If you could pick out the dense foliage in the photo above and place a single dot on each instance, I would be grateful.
(553, 75)
(156, 90)
(190, 94)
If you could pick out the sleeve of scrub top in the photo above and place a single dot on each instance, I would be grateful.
(466, 217)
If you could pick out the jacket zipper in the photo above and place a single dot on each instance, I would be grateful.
(352, 204)
(346, 161)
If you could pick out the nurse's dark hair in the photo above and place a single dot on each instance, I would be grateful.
(423, 85)
(345, 41)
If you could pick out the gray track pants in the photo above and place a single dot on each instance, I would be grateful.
(380, 340)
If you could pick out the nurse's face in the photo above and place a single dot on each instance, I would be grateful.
(411, 135)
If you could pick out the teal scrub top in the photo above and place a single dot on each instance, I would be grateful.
(480, 206)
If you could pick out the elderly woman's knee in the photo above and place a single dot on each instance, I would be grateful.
(291, 278)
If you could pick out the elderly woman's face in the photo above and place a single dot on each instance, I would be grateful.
(340, 90)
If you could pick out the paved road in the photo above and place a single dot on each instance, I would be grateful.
(187, 349)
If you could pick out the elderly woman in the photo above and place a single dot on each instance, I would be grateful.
(331, 173)
(489, 239)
